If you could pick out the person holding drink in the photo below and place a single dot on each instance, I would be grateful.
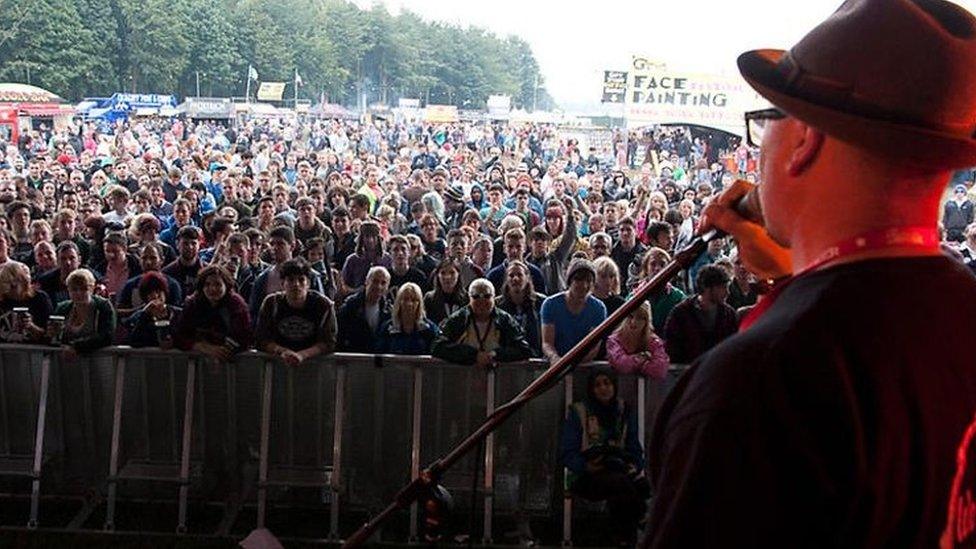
(24, 311)
(150, 325)
(89, 319)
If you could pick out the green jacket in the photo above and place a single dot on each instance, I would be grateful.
(662, 304)
(512, 345)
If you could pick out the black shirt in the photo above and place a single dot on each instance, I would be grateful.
(52, 285)
(612, 303)
(623, 258)
(412, 274)
(186, 275)
(737, 298)
(833, 421)
(304, 235)
(296, 329)
(345, 247)
(39, 306)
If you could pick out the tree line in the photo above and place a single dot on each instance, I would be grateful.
(82, 48)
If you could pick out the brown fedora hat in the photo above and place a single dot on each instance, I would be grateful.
(893, 76)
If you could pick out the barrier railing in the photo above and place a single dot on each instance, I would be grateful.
(353, 428)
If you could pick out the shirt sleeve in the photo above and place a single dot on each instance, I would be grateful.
(620, 360)
(548, 312)
(264, 331)
(657, 366)
(328, 328)
(570, 442)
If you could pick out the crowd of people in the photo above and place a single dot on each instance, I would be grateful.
(477, 243)
(474, 242)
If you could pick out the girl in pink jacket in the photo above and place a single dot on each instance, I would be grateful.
(635, 348)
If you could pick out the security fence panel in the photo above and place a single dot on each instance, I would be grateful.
(376, 429)
(336, 437)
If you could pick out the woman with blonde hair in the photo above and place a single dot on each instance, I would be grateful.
(408, 331)
(606, 287)
(16, 295)
(634, 348)
(89, 319)
(689, 223)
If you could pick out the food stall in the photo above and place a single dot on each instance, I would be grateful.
(217, 109)
(24, 107)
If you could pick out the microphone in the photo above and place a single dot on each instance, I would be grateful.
(749, 206)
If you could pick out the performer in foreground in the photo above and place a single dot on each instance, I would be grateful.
(834, 417)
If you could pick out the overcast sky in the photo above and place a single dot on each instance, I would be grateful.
(574, 42)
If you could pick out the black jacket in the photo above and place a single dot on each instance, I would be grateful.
(836, 420)
(355, 335)
(686, 335)
(512, 345)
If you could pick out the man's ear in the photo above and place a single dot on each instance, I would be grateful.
(806, 147)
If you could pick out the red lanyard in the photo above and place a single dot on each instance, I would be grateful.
(893, 237)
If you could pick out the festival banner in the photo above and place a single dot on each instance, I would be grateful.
(441, 113)
(657, 94)
(271, 91)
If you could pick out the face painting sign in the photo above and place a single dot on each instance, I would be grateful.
(657, 94)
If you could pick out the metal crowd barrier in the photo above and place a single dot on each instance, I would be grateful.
(351, 428)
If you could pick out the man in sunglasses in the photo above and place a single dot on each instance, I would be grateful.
(481, 334)
(839, 416)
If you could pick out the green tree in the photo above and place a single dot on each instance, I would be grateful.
(96, 47)
(261, 43)
(212, 50)
(345, 26)
(46, 38)
(152, 50)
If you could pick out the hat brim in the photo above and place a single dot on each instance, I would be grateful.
(915, 145)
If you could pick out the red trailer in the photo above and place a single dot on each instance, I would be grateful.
(9, 130)
(23, 107)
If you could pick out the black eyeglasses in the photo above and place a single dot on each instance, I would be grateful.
(756, 122)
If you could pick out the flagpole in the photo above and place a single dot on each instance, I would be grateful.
(296, 90)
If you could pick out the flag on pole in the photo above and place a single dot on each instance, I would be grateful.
(298, 79)
(252, 73)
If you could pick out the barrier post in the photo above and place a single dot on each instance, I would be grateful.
(39, 441)
(567, 496)
(265, 441)
(641, 409)
(489, 459)
(418, 380)
(191, 378)
(336, 479)
(4, 421)
(113, 462)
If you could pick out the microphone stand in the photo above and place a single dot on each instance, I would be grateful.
(422, 487)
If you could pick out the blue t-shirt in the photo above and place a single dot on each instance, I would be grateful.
(570, 328)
